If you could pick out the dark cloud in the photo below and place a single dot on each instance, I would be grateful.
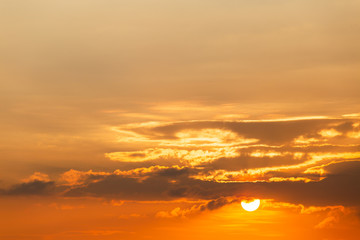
(345, 126)
(32, 188)
(276, 132)
(217, 203)
(171, 183)
(287, 156)
(340, 187)
(248, 162)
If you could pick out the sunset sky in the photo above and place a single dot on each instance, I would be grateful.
(154, 119)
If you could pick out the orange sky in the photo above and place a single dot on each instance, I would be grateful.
(155, 119)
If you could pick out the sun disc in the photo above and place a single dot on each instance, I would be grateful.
(250, 206)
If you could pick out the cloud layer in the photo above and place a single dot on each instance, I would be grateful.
(310, 162)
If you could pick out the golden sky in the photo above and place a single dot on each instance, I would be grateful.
(154, 119)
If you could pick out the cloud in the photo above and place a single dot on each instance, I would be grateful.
(267, 132)
(333, 216)
(32, 188)
(234, 145)
(196, 209)
(216, 159)
(155, 183)
(38, 176)
(188, 157)
(217, 203)
(340, 185)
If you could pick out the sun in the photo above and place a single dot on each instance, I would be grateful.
(251, 205)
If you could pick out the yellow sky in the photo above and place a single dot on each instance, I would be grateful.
(149, 119)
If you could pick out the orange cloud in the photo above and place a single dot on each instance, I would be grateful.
(37, 176)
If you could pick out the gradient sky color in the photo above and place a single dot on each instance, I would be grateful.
(154, 119)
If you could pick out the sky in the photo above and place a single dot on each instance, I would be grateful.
(151, 119)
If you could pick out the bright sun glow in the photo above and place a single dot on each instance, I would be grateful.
(250, 206)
